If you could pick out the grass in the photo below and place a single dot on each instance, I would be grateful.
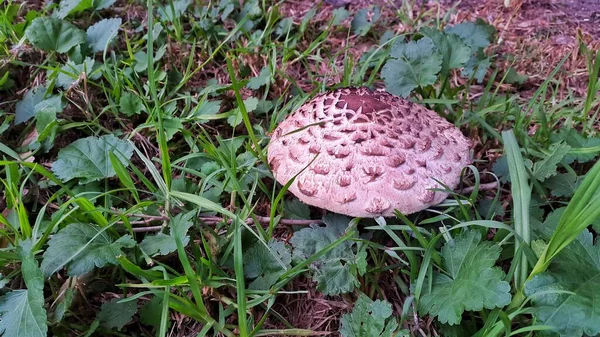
(135, 178)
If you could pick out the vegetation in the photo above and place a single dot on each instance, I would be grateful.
(137, 200)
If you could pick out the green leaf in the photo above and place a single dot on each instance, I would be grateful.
(131, 104)
(477, 67)
(22, 312)
(470, 282)
(578, 143)
(335, 272)
(236, 116)
(71, 72)
(262, 266)
(413, 64)
(339, 15)
(369, 319)
(53, 34)
(296, 209)
(170, 14)
(115, 315)
(150, 313)
(262, 79)
(162, 244)
(81, 247)
(88, 158)
(361, 23)
(546, 168)
(566, 296)
(72, 6)
(563, 184)
(476, 36)
(102, 4)
(513, 77)
(207, 109)
(454, 52)
(101, 33)
(25, 108)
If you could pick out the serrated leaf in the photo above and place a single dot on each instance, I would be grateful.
(563, 184)
(22, 312)
(236, 117)
(566, 296)
(88, 159)
(131, 104)
(25, 108)
(412, 64)
(163, 244)
(262, 79)
(53, 34)
(115, 315)
(336, 271)
(339, 15)
(70, 72)
(369, 319)
(101, 33)
(296, 209)
(578, 143)
(474, 35)
(262, 266)
(170, 14)
(361, 23)
(81, 247)
(454, 52)
(546, 168)
(471, 281)
(150, 313)
(477, 67)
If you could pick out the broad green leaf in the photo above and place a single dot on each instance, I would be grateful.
(335, 272)
(88, 159)
(102, 4)
(454, 52)
(82, 247)
(115, 315)
(72, 6)
(71, 72)
(412, 64)
(566, 296)
(131, 104)
(470, 281)
(207, 109)
(150, 313)
(22, 312)
(563, 184)
(263, 78)
(578, 144)
(170, 14)
(369, 319)
(163, 244)
(361, 23)
(25, 108)
(339, 15)
(236, 115)
(477, 67)
(476, 36)
(262, 266)
(53, 34)
(296, 209)
(546, 168)
(101, 33)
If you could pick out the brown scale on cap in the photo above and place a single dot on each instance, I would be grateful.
(375, 153)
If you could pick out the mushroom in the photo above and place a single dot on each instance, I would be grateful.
(365, 154)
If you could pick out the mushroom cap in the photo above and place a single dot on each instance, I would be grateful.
(364, 153)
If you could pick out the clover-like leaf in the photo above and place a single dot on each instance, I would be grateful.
(566, 296)
(115, 314)
(53, 34)
(413, 64)
(101, 33)
(369, 319)
(163, 244)
(335, 272)
(471, 282)
(88, 158)
(81, 247)
(262, 264)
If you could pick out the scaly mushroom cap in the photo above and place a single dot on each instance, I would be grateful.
(375, 152)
